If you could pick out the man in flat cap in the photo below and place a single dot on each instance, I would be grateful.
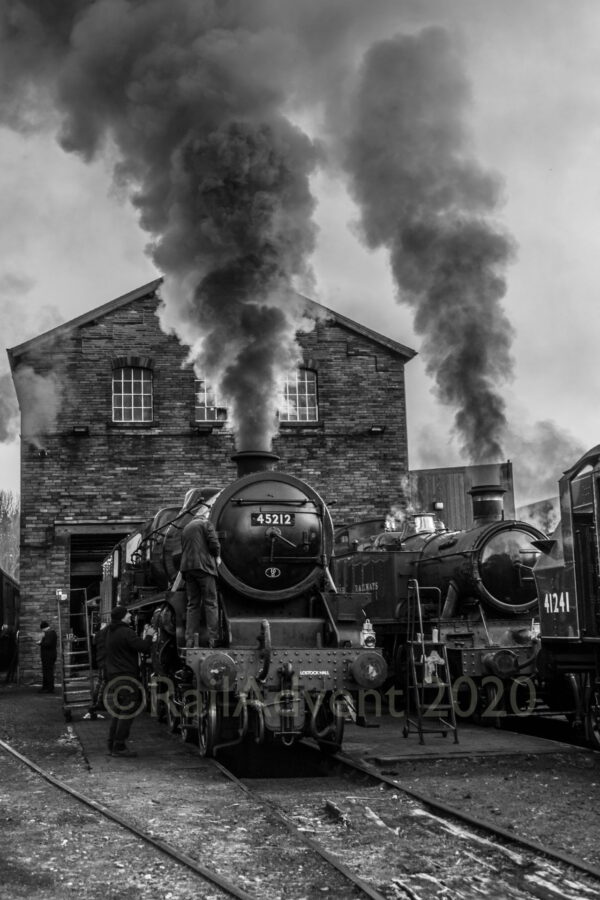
(48, 644)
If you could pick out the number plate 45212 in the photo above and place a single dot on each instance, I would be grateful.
(272, 518)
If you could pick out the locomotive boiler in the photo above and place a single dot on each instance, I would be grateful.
(567, 578)
(294, 651)
(476, 594)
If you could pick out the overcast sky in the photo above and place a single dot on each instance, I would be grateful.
(69, 242)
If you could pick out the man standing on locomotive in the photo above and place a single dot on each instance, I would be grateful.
(200, 559)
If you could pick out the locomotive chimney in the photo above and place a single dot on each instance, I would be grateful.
(488, 505)
(249, 461)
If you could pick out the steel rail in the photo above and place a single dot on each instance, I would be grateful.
(208, 874)
(340, 867)
(451, 812)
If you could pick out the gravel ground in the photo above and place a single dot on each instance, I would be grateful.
(53, 847)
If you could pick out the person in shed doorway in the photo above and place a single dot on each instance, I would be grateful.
(48, 644)
(200, 559)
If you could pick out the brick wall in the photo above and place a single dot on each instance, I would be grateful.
(129, 471)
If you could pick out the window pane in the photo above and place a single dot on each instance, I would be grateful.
(132, 395)
(208, 407)
(300, 397)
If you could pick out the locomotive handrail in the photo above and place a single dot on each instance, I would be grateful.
(240, 501)
(265, 646)
(298, 560)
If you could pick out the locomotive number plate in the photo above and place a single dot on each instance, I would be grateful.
(273, 518)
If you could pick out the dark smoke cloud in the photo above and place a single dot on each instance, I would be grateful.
(190, 96)
(423, 198)
(193, 97)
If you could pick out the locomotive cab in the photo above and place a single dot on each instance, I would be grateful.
(567, 576)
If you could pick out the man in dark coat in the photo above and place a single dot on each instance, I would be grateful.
(48, 645)
(125, 698)
(99, 642)
(200, 559)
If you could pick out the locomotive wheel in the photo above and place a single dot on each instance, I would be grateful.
(592, 719)
(188, 723)
(491, 712)
(333, 719)
(172, 719)
(207, 723)
(188, 729)
(157, 705)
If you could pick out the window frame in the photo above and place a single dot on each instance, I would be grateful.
(135, 377)
(306, 387)
(219, 414)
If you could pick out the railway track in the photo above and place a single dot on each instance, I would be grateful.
(418, 847)
(353, 834)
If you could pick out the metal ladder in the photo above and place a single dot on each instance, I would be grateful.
(427, 677)
(76, 660)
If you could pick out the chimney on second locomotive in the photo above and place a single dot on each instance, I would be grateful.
(488, 503)
(249, 461)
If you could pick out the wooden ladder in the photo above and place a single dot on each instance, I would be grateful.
(76, 662)
(429, 700)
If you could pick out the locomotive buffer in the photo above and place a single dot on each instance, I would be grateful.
(428, 685)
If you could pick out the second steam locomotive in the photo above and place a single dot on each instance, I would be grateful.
(294, 651)
(476, 594)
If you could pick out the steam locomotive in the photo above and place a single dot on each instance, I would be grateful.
(567, 578)
(294, 652)
(476, 594)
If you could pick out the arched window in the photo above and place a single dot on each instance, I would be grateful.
(132, 390)
(300, 397)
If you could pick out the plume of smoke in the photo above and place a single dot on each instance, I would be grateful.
(191, 96)
(9, 410)
(39, 398)
(17, 324)
(542, 452)
(243, 206)
(424, 199)
(544, 515)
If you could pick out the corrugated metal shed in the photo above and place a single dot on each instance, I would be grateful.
(451, 487)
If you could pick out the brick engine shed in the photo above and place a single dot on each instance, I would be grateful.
(115, 425)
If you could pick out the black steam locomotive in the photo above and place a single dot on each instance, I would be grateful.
(476, 595)
(567, 578)
(294, 652)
